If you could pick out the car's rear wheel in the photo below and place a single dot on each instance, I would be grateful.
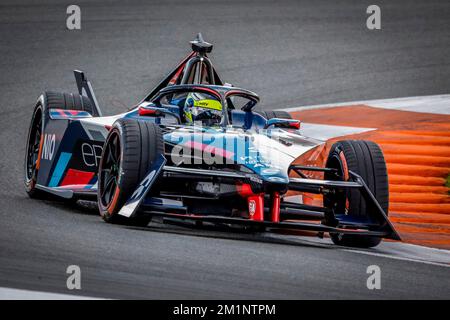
(130, 149)
(69, 101)
(275, 114)
(49, 100)
(32, 153)
(366, 159)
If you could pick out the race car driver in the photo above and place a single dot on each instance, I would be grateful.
(202, 108)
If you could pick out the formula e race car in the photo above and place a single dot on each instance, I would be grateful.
(195, 149)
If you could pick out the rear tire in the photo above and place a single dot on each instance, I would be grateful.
(282, 114)
(366, 159)
(34, 141)
(69, 101)
(49, 100)
(130, 149)
(274, 114)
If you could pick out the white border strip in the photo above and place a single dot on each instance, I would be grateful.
(20, 294)
(439, 104)
(389, 256)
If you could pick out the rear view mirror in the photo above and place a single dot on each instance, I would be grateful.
(157, 112)
(282, 123)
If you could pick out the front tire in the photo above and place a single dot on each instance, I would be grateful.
(130, 149)
(366, 159)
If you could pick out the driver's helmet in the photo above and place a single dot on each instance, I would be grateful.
(202, 107)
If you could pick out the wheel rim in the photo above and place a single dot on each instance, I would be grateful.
(109, 170)
(34, 142)
(337, 201)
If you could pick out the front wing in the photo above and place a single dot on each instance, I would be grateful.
(283, 214)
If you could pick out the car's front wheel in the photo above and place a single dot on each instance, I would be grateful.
(130, 149)
(366, 159)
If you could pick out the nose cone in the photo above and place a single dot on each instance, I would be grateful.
(216, 147)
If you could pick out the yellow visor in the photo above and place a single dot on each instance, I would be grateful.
(208, 104)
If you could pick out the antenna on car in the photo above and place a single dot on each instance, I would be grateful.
(201, 46)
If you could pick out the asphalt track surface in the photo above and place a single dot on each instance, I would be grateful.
(292, 53)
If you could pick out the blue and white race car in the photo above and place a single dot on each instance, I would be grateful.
(195, 149)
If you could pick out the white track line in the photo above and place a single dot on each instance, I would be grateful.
(324, 132)
(389, 250)
(20, 294)
(389, 256)
(438, 104)
(408, 252)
